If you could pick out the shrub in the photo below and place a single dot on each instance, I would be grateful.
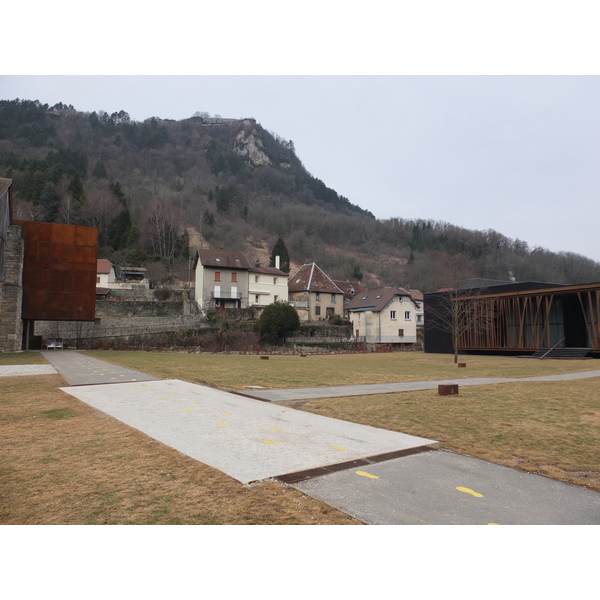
(276, 321)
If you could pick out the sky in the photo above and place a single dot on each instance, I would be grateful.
(516, 154)
(460, 114)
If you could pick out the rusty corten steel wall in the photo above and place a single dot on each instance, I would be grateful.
(59, 271)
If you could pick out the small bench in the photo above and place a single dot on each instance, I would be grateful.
(54, 344)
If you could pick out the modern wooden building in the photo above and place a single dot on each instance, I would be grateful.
(516, 318)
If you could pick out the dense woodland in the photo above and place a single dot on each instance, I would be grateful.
(159, 189)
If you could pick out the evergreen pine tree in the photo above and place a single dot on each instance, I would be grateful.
(280, 249)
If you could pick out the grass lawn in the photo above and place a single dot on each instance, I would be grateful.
(65, 462)
(22, 358)
(289, 371)
(548, 428)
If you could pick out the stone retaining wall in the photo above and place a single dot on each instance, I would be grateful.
(11, 292)
(117, 327)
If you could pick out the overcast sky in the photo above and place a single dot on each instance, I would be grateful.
(516, 151)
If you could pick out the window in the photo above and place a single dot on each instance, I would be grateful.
(317, 310)
(217, 275)
(256, 278)
(234, 277)
(274, 280)
(407, 315)
(332, 298)
(393, 315)
(256, 300)
(329, 311)
(318, 297)
(276, 298)
(400, 332)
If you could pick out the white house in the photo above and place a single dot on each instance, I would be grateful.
(418, 299)
(384, 316)
(105, 273)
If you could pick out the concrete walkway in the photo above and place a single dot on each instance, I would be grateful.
(23, 370)
(79, 369)
(285, 395)
(378, 476)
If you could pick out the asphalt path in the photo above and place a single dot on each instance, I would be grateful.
(285, 395)
(378, 476)
(442, 488)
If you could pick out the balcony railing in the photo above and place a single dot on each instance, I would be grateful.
(226, 295)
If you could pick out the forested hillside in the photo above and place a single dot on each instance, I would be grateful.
(160, 189)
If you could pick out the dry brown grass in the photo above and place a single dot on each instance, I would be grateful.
(551, 428)
(63, 462)
(22, 358)
(290, 371)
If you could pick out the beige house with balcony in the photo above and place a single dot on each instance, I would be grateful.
(314, 295)
(266, 285)
(384, 316)
(221, 279)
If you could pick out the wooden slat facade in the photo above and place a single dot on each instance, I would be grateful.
(525, 320)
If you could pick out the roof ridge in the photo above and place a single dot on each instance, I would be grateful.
(312, 270)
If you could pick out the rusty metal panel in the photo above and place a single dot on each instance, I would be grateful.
(59, 271)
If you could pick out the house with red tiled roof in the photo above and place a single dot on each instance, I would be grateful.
(105, 273)
(314, 295)
(350, 289)
(383, 316)
(221, 278)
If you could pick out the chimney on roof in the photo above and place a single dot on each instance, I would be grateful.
(277, 262)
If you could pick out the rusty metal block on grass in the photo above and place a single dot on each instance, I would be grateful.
(448, 389)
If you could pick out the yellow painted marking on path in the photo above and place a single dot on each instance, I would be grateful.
(275, 428)
(163, 399)
(493, 523)
(190, 409)
(340, 448)
(228, 414)
(224, 424)
(365, 474)
(196, 401)
(469, 491)
(173, 393)
(113, 377)
(271, 442)
(134, 380)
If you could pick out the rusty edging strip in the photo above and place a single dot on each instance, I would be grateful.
(243, 394)
(361, 462)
